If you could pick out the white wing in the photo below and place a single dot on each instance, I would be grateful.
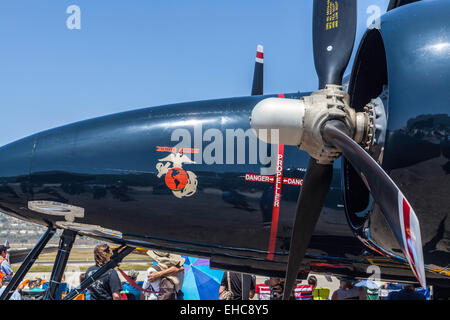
(170, 157)
(185, 159)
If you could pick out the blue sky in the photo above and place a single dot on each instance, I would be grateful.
(139, 53)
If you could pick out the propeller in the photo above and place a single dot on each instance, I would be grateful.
(324, 125)
(334, 30)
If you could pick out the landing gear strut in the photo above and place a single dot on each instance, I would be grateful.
(65, 246)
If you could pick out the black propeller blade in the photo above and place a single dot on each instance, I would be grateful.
(309, 205)
(334, 30)
(396, 209)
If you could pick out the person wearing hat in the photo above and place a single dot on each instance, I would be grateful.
(347, 291)
(131, 292)
(169, 267)
(5, 268)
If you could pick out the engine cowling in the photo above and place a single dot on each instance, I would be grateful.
(405, 76)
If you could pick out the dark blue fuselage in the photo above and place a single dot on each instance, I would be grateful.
(108, 165)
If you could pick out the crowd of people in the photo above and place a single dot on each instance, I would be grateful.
(164, 281)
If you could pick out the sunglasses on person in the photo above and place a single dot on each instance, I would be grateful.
(108, 251)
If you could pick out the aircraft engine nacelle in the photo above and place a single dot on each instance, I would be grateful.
(401, 75)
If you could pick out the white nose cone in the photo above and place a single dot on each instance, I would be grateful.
(285, 116)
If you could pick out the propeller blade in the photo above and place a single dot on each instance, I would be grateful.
(309, 205)
(396, 209)
(258, 75)
(334, 30)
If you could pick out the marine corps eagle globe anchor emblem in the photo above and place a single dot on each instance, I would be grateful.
(182, 183)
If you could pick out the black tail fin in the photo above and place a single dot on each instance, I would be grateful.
(258, 76)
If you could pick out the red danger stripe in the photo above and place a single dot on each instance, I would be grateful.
(276, 202)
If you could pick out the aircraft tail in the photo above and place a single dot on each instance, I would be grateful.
(258, 76)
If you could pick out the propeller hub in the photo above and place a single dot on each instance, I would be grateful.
(328, 104)
(301, 122)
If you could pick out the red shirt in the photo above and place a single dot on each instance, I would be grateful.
(304, 292)
(263, 291)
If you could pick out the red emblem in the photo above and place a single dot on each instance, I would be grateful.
(176, 179)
